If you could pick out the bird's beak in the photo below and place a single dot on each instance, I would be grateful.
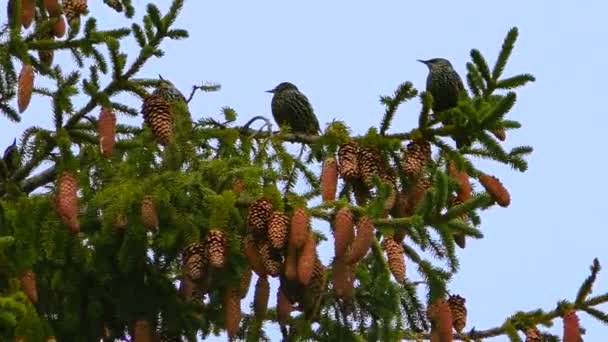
(270, 91)
(15, 141)
(421, 61)
(159, 76)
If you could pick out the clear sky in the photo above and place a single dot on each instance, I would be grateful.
(344, 55)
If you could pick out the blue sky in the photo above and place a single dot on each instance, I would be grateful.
(344, 55)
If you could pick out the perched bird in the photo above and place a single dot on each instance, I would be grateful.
(168, 91)
(11, 157)
(446, 87)
(291, 107)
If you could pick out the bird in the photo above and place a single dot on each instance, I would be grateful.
(446, 87)
(11, 158)
(168, 91)
(291, 107)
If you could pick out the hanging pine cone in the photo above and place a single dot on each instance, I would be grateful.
(465, 190)
(232, 311)
(238, 186)
(500, 133)
(363, 240)
(260, 300)
(59, 27)
(369, 162)
(28, 284)
(149, 215)
(329, 179)
(396, 259)
(572, 329)
(388, 177)
(52, 7)
(158, 116)
(245, 282)
(251, 252)
(28, 7)
(107, 131)
(343, 231)
(441, 319)
(258, 215)
(361, 192)
(416, 194)
(307, 259)
(283, 307)
(342, 279)
(188, 287)
(417, 154)
(73, 9)
(495, 188)
(25, 85)
(459, 312)
(193, 258)
(270, 259)
(67, 201)
(278, 229)
(314, 291)
(533, 335)
(291, 263)
(459, 238)
(143, 331)
(348, 160)
(216, 248)
(300, 222)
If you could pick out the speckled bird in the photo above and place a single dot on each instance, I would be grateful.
(168, 91)
(11, 157)
(291, 107)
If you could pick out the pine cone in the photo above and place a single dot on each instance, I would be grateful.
(291, 263)
(24, 87)
(158, 116)
(67, 201)
(52, 7)
(388, 177)
(465, 190)
(417, 154)
(572, 329)
(459, 312)
(343, 231)
(216, 248)
(143, 331)
(300, 222)
(278, 229)
(28, 7)
(495, 188)
(416, 194)
(59, 27)
(73, 9)
(348, 160)
(258, 215)
(283, 307)
(306, 259)
(270, 259)
(245, 282)
(253, 256)
(238, 186)
(193, 258)
(120, 221)
(533, 335)
(149, 216)
(107, 131)
(329, 179)
(342, 279)
(441, 319)
(188, 287)
(314, 291)
(28, 284)
(260, 300)
(369, 162)
(363, 240)
(396, 259)
(500, 133)
(361, 192)
(232, 311)
(459, 238)
(46, 57)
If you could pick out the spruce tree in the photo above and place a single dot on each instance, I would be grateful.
(153, 231)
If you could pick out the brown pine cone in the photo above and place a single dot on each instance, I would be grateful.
(258, 215)
(500, 133)
(278, 229)
(441, 319)
(572, 329)
(300, 222)
(291, 263)
(28, 7)
(465, 191)
(416, 194)
(158, 116)
(107, 131)
(28, 284)
(284, 307)
(232, 311)
(396, 258)
(52, 6)
(369, 162)
(260, 300)
(270, 258)
(329, 179)
(59, 27)
(25, 85)
(73, 9)
(533, 335)
(314, 291)
(495, 188)
(459, 312)
(194, 260)
(363, 240)
(149, 215)
(216, 248)
(143, 331)
(343, 231)
(67, 201)
(245, 282)
(348, 160)
(238, 186)
(342, 279)
(250, 249)
(417, 154)
(307, 259)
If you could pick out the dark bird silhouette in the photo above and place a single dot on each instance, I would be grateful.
(11, 158)
(291, 107)
(168, 91)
